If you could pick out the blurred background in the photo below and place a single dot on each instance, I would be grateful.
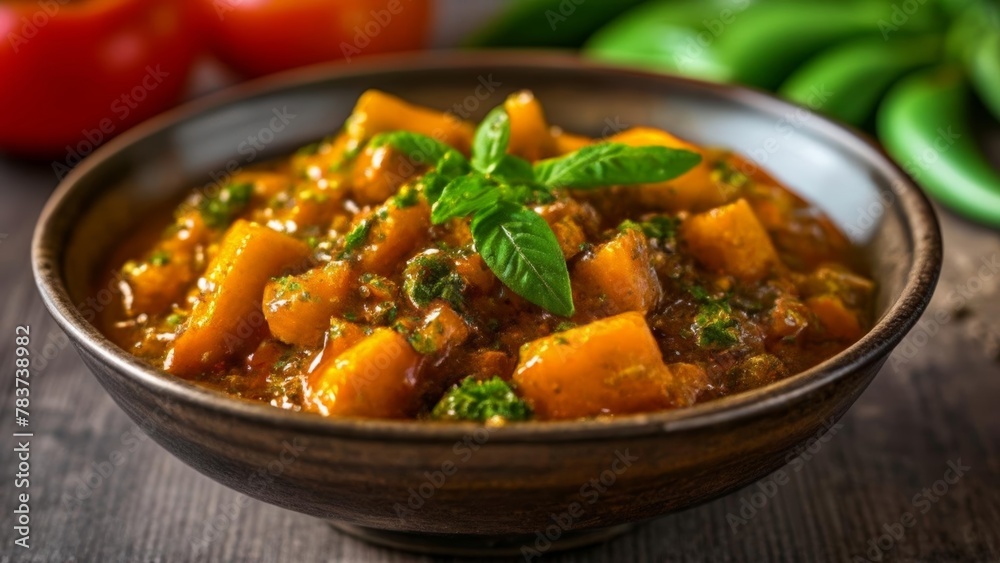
(75, 73)
(920, 76)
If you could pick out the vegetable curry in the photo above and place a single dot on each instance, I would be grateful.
(415, 265)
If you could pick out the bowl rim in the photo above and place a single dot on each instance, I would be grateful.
(918, 215)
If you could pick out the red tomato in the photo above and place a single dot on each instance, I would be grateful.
(76, 73)
(258, 37)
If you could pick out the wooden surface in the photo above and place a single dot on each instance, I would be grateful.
(937, 400)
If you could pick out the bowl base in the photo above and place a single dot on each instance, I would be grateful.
(478, 546)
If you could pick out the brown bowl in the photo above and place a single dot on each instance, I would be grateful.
(462, 488)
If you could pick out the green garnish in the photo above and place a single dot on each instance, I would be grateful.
(159, 258)
(431, 276)
(220, 210)
(659, 227)
(495, 190)
(614, 164)
(175, 319)
(724, 172)
(480, 401)
(407, 197)
(714, 323)
(356, 236)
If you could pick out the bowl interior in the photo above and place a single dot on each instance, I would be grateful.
(204, 144)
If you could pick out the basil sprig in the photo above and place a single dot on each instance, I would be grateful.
(496, 189)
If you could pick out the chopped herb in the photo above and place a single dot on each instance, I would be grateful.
(481, 401)
(564, 326)
(725, 173)
(421, 343)
(159, 258)
(220, 210)
(407, 197)
(356, 236)
(432, 276)
(175, 319)
(660, 227)
(714, 323)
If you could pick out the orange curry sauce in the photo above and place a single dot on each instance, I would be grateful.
(319, 283)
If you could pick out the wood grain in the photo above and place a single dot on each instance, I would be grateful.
(937, 400)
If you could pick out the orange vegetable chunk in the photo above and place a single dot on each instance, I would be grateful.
(378, 112)
(298, 308)
(618, 277)
(530, 137)
(610, 366)
(229, 313)
(730, 240)
(374, 378)
(838, 322)
(392, 237)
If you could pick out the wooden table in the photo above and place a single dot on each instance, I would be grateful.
(937, 401)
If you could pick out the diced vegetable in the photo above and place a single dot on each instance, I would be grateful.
(618, 277)
(298, 308)
(836, 320)
(152, 286)
(378, 112)
(565, 220)
(375, 378)
(394, 232)
(692, 191)
(789, 318)
(755, 371)
(730, 240)
(481, 401)
(475, 273)
(442, 329)
(378, 174)
(610, 366)
(227, 317)
(854, 290)
(568, 142)
(529, 132)
(339, 337)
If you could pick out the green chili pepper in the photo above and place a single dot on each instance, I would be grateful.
(924, 125)
(848, 81)
(547, 23)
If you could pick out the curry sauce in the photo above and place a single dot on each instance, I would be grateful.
(415, 266)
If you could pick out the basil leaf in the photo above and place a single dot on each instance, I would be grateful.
(526, 193)
(521, 249)
(614, 164)
(419, 148)
(464, 196)
(490, 142)
(513, 169)
(451, 166)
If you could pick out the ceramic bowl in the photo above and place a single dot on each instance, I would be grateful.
(462, 488)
